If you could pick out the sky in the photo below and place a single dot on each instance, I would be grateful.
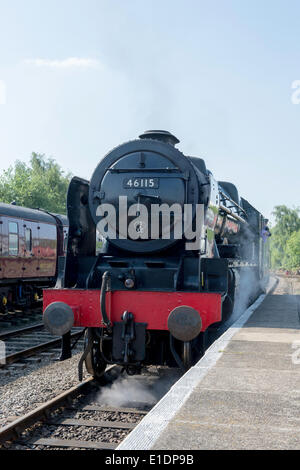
(79, 77)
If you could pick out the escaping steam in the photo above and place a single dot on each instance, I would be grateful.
(246, 290)
(142, 389)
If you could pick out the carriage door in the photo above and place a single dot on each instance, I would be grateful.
(48, 246)
(29, 263)
(14, 263)
(35, 248)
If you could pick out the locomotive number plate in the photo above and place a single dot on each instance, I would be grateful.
(135, 183)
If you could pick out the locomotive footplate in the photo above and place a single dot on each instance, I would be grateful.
(129, 340)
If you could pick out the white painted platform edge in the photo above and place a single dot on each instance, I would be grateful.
(147, 432)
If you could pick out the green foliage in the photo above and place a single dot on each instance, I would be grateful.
(293, 251)
(283, 242)
(41, 184)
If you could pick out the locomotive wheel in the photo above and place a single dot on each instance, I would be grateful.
(93, 362)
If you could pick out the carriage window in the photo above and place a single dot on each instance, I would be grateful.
(13, 239)
(28, 239)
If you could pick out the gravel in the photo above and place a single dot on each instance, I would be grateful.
(25, 389)
(84, 433)
(108, 416)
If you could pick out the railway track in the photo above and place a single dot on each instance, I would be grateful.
(20, 318)
(23, 343)
(79, 419)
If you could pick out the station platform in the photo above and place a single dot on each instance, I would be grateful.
(243, 394)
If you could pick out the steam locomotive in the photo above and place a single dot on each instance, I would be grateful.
(32, 253)
(176, 243)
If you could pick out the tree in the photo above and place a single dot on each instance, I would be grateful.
(41, 184)
(293, 251)
(287, 221)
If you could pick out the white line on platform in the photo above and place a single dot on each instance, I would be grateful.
(147, 432)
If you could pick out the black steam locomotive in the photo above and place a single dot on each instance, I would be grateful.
(176, 242)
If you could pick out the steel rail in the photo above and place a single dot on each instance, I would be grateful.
(34, 349)
(12, 431)
(27, 329)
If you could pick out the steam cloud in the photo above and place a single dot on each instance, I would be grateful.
(246, 290)
(126, 391)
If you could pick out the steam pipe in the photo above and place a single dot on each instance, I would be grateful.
(224, 196)
(235, 216)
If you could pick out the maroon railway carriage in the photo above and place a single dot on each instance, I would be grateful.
(32, 244)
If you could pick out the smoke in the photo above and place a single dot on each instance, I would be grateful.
(140, 390)
(246, 290)
(248, 285)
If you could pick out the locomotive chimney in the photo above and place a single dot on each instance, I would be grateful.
(163, 136)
